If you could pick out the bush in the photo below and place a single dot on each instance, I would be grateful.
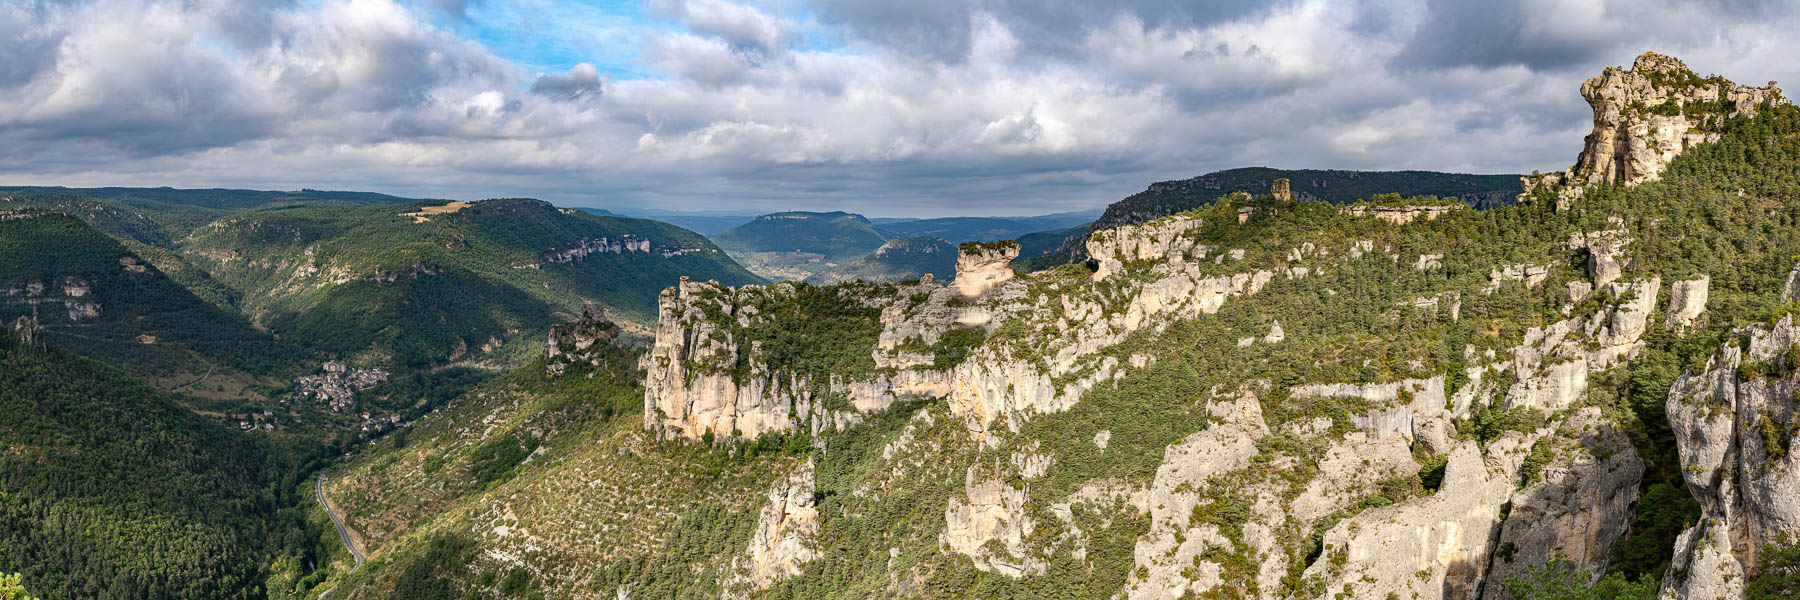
(1777, 572)
(1558, 579)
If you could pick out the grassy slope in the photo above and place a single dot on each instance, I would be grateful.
(596, 505)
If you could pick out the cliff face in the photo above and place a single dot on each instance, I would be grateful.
(1646, 116)
(1274, 399)
(1734, 423)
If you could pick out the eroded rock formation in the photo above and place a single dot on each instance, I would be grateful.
(982, 265)
(1646, 116)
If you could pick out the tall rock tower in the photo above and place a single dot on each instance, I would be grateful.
(1281, 190)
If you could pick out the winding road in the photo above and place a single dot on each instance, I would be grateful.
(319, 488)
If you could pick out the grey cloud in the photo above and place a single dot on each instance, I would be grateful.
(1562, 34)
(29, 47)
(976, 107)
(744, 26)
(940, 29)
(581, 81)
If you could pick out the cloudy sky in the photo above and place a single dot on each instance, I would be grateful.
(889, 107)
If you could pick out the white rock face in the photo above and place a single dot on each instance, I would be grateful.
(692, 385)
(981, 266)
(1165, 555)
(1640, 126)
(787, 530)
(1401, 215)
(1150, 241)
(1790, 290)
(991, 513)
(1554, 362)
(1606, 255)
(1431, 547)
(1687, 300)
(1532, 275)
(1725, 426)
(1580, 506)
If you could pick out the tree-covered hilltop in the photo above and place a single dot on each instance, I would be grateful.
(98, 299)
(429, 283)
(957, 230)
(108, 489)
(795, 245)
(903, 258)
(1165, 198)
(176, 212)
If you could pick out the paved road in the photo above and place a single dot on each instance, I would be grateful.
(319, 488)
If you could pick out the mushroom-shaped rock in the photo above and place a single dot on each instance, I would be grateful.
(982, 265)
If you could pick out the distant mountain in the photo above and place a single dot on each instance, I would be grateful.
(1039, 243)
(957, 230)
(794, 245)
(98, 299)
(1165, 198)
(704, 223)
(903, 258)
(178, 211)
(427, 283)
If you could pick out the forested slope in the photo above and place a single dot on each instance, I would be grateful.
(110, 490)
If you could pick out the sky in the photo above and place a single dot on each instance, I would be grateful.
(885, 107)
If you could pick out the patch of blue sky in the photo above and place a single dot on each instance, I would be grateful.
(551, 36)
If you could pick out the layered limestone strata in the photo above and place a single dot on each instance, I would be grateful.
(1646, 116)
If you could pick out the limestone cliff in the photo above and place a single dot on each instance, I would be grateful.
(1734, 423)
(1646, 116)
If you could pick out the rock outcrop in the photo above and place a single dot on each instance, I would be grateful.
(694, 383)
(1734, 425)
(787, 531)
(1401, 215)
(1645, 117)
(1281, 190)
(989, 525)
(1574, 507)
(982, 265)
(1790, 289)
(577, 341)
(1435, 547)
(1167, 556)
(1687, 301)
